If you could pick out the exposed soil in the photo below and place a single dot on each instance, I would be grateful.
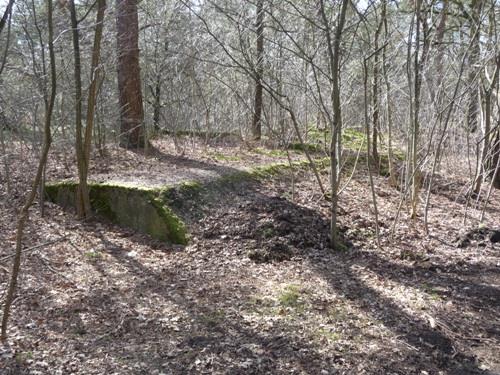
(258, 290)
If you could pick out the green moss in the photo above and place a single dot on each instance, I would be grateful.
(353, 134)
(274, 153)
(51, 192)
(61, 184)
(432, 292)
(222, 157)
(24, 358)
(398, 154)
(233, 178)
(99, 200)
(272, 170)
(190, 185)
(140, 208)
(310, 147)
(269, 170)
(189, 189)
(213, 318)
(290, 296)
(92, 255)
(338, 313)
(200, 134)
(319, 139)
(264, 172)
(327, 334)
(62, 192)
(268, 233)
(353, 139)
(176, 194)
(315, 135)
(341, 247)
(177, 231)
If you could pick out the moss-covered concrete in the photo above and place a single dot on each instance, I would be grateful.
(159, 212)
(139, 208)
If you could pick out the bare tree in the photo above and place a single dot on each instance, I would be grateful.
(84, 141)
(24, 212)
(333, 50)
(375, 89)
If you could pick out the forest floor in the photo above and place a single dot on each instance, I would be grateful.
(257, 290)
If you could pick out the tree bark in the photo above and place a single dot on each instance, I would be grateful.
(82, 196)
(375, 95)
(259, 71)
(495, 161)
(333, 50)
(418, 67)
(473, 105)
(6, 14)
(390, 157)
(129, 75)
(157, 104)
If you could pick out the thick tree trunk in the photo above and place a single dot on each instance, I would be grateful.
(129, 77)
(95, 78)
(257, 112)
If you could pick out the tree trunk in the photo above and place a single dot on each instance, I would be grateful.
(418, 65)
(5, 160)
(483, 161)
(333, 49)
(375, 96)
(473, 105)
(259, 71)
(495, 162)
(84, 142)
(493, 152)
(487, 165)
(95, 78)
(82, 195)
(390, 157)
(157, 104)
(6, 15)
(129, 77)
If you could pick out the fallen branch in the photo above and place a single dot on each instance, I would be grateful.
(32, 249)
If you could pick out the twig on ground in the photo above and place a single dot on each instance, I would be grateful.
(32, 248)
